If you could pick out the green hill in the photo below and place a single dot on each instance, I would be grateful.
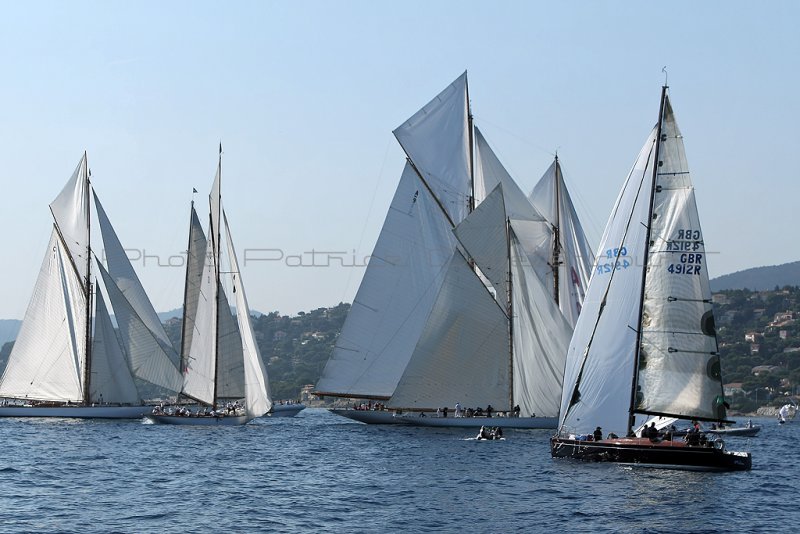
(760, 278)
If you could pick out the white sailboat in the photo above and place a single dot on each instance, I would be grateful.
(62, 367)
(424, 330)
(220, 358)
(645, 343)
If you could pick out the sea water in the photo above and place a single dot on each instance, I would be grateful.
(323, 473)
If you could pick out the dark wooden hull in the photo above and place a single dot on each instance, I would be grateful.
(663, 454)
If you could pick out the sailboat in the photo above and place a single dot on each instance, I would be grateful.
(220, 358)
(426, 328)
(645, 344)
(60, 365)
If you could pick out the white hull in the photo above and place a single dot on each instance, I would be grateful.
(371, 417)
(477, 422)
(228, 420)
(79, 412)
(285, 410)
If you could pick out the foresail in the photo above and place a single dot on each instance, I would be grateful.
(70, 210)
(463, 354)
(198, 372)
(600, 360)
(436, 139)
(483, 236)
(47, 360)
(195, 259)
(679, 364)
(230, 364)
(127, 282)
(111, 375)
(552, 199)
(541, 339)
(147, 356)
(395, 298)
(256, 383)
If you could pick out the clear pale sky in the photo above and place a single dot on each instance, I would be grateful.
(304, 96)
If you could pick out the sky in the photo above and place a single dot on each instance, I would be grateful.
(304, 95)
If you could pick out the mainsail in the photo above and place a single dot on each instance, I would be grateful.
(645, 342)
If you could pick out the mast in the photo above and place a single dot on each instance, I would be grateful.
(556, 234)
(510, 319)
(87, 364)
(646, 258)
(216, 236)
(470, 121)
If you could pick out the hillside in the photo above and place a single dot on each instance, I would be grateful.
(760, 278)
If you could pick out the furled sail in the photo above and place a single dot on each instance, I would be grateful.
(679, 367)
(463, 353)
(47, 360)
(574, 257)
(436, 140)
(395, 298)
(600, 360)
(256, 384)
(111, 375)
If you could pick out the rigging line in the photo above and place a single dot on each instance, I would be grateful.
(378, 183)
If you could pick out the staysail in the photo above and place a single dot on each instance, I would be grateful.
(112, 380)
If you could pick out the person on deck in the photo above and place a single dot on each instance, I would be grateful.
(598, 434)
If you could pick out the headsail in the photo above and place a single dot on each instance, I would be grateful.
(396, 295)
(47, 361)
(601, 353)
(112, 380)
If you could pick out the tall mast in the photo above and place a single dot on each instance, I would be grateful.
(87, 364)
(557, 233)
(510, 319)
(471, 150)
(656, 165)
(216, 235)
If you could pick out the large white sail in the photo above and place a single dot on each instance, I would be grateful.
(111, 375)
(195, 259)
(483, 235)
(574, 258)
(679, 367)
(256, 383)
(70, 210)
(230, 365)
(126, 280)
(395, 298)
(463, 354)
(436, 139)
(540, 339)
(146, 355)
(47, 360)
(600, 360)
(198, 372)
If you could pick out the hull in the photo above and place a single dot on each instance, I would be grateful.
(370, 417)
(228, 420)
(477, 422)
(643, 452)
(77, 412)
(285, 410)
(743, 431)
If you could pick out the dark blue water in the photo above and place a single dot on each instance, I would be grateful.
(319, 472)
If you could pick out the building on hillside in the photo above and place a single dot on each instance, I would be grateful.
(763, 369)
(734, 388)
(752, 336)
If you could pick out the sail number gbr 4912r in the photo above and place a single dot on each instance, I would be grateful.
(687, 244)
